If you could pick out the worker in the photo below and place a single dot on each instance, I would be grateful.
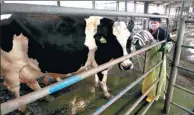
(159, 33)
(153, 56)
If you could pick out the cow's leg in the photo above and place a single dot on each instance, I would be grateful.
(103, 79)
(16, 91)
(29, 74)
(97, 81)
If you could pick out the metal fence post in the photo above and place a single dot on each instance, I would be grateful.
(58, 3)
(93, 5)
(126, 6)
(117, 5)
(173, 74)
(146, 8)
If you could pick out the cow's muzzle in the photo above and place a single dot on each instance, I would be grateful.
(125, 66)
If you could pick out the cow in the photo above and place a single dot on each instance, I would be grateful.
(67, 44)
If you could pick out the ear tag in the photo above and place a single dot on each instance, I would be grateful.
(103, 40)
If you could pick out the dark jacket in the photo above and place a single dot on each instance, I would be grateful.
(161, 34)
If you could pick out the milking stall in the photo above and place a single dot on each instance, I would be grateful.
(160, 82)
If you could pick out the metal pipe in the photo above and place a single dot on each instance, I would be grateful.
(141, 98)
(186, 69)
(114, 99)
(146, 7)
(125, 6)
(176, 58)
(149, 105)
(169, 8)
(186, 46)
(35, 95)
(58, 3)
(117, 5)
(184, 89)
(145, 61)
(183, 108)
(189, 21)
(26, 8)
(93, 5)
(134, 8)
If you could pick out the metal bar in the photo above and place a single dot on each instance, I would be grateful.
(189, 21)
(35, 95)
(25, 8)
(183, 108)
(93, 5)
(184, 89)
(58, 3)
(117, 5)
(176, 59)
(149, 105)
(141, 98)
(114, 99)
(135, 5)
(146, 7)
(125, 6)
(169, 8)
(145, 57)
(186, 46)
(186, 69)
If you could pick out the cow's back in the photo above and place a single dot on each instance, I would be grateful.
(56, 42)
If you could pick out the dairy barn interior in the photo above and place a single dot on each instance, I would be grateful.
(76, 94)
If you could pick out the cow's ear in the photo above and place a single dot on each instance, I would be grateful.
(111, 22)
(130, 25)
(86, 19)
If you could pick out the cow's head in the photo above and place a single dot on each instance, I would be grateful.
(123, 34)
(111, 38)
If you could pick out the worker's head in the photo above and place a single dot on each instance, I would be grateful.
(154, 23)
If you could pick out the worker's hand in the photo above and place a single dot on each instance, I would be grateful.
(167, 47)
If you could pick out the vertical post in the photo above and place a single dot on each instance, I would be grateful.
(134, 8)
(165, 11)
(146, 6)
(93, 5)
(58, 3)
(125, 6)
(158, 7)
(169, 16)
(169, 9)
(177, 53)
(117, 5)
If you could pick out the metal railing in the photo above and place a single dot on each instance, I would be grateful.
(35, 95)
(175, 67)
(109, 103)
(24, 8)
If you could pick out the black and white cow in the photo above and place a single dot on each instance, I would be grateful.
(64, 44)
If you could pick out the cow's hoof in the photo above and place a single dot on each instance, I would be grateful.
(25, 110)
(108, 97)
(48, 98)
